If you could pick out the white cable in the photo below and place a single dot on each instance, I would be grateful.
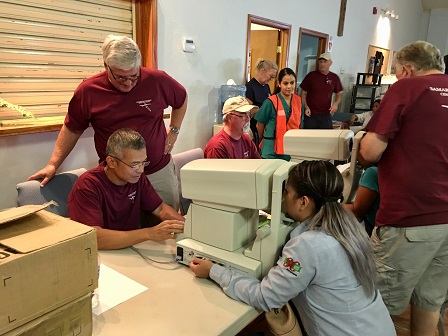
(174, 260)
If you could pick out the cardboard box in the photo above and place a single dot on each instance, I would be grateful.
(74, 318)
(46, 261)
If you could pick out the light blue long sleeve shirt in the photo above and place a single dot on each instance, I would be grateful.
(315, 272)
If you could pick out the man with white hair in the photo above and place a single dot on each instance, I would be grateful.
(317, 92)
(128, 95)
(407, 137)
(233, 142)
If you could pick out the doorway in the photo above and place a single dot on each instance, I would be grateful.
(311, 45)
(266, 39)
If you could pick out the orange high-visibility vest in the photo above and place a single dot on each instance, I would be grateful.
(281, 124)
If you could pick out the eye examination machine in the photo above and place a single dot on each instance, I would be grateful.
(223, 221)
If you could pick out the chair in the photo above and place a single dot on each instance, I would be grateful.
(57, 189)
(180, 159)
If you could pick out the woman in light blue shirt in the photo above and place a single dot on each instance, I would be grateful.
(326, 268)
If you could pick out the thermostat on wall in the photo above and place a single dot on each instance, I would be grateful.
(188, 45)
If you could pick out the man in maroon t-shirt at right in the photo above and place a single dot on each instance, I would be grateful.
(317, 92)
(407, 136)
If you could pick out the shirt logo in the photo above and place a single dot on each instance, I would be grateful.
(246, 154)
(443, 91)
(132, 196)
(145, 103)
(292, 266)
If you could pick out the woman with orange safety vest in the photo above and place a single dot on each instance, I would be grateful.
(279, 113)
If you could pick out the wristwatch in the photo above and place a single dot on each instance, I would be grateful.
(174, 129)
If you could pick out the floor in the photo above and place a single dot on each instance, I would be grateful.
(402, 326)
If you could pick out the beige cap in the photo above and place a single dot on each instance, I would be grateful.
(238, 104)
(326, 55)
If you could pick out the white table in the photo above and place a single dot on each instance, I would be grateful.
(176, 303)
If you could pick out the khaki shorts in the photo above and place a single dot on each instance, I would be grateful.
(412, 265)
(166, 185)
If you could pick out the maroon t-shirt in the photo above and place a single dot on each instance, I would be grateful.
(98, 102)
(222, 146)
(96, 201)
(413, 170)
(319, 90)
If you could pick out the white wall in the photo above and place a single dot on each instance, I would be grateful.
(219, 32)
(220, 38)
(23, 155)
(438, 29)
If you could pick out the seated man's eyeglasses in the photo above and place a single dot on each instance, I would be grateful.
(135, 165)
(121, 79)
(245, 116)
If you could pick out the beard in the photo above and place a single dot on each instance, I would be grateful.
(246, 128)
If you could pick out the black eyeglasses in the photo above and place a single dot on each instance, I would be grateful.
(134, 165)
(121, 79)
(245, 116)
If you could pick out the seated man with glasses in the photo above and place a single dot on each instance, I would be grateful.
(112, 196)
(233, 142)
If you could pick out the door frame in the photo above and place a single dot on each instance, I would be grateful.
(322, 43)
(285, 36)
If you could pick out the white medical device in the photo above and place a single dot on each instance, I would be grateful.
(222, 223)
(337, 144)
(310, 144)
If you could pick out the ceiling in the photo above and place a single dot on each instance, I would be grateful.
(434, 4)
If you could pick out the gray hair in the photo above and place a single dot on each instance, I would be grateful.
(121, 52)
(266, 64)
(122, 139)
(322, 182)
(420, 55)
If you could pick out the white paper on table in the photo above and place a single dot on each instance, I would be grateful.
(115, 288)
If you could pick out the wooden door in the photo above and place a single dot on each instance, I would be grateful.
(263, 44)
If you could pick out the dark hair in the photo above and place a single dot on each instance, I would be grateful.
(122, 139)
(322, 182)
(375, 101)
(282, 73)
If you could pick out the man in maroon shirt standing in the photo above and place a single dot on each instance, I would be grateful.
(125, 95)
(112, 196)
(233, 142)
(407, 136)
(317, 92)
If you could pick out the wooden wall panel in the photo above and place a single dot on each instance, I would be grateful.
(49, 47)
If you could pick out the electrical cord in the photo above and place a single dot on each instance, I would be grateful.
(174, 260)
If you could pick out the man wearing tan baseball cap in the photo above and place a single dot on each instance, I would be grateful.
(233, 142)
(318, 87)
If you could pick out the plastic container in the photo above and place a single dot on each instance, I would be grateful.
(226, 92)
